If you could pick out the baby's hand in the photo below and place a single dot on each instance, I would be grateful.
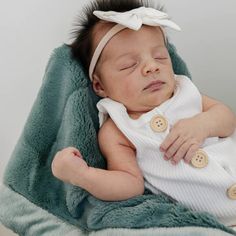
(68, 165)
(184, 139)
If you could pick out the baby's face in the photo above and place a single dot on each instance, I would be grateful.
(135, 69)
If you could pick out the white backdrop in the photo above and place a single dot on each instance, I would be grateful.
(30, 29)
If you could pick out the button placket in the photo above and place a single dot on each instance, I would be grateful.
(158, 123)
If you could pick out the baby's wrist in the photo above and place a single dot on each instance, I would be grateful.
(82, 178)
(204, 125)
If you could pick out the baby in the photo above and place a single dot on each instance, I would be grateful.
(157, 131)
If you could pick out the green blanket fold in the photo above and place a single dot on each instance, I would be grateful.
(64, 114)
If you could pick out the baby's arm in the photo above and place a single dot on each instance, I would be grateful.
(187, 135)
(217, 118)
(121, 181)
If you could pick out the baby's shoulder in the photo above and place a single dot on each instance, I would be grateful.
(107, 126)
(110, 133)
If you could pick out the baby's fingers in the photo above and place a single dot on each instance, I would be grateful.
(181, 152)
(175, 146)
(169, 140)
(190, 153)
(77, 153)
(73, 150)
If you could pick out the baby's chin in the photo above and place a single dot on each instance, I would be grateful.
(150, 105)
(158, 100)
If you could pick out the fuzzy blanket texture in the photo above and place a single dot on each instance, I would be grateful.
(64, 114)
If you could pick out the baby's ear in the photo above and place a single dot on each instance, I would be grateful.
(98, 86)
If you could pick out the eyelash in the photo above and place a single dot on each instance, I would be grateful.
(161, 58)
(128, 67)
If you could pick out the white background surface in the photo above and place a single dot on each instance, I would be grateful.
(31, 29)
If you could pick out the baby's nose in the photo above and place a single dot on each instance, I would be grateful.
(150, 67)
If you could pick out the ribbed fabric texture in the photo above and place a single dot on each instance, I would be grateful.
(202, 189)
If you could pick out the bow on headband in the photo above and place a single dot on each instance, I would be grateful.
(132, 19)
(135, 18)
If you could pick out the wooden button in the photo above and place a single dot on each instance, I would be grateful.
(159, 123)
(200, 159)
(231, 192)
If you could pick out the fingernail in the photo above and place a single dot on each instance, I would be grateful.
(173, 162)
(187, 161)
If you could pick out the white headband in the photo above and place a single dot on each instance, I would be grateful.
(134, 20)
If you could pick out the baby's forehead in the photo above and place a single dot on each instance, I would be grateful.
(107, 46)
(99, 30)
(102, 27)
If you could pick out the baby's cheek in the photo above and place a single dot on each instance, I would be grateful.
(130, 92)
(124, 90)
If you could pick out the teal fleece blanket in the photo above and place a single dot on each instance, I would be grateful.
(64, 114)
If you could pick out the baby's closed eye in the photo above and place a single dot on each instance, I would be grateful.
(128, 65)
(160, 56)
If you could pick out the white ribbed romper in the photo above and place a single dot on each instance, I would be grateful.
(203, 189)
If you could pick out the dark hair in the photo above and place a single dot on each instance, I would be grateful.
(82, 45)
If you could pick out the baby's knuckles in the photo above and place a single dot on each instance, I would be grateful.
(57, 164)
(67, 166)
(189, 129)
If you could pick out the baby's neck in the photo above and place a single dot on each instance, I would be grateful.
(135, 114)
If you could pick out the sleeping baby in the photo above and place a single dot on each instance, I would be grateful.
(157, 131)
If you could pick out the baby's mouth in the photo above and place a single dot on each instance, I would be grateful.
(154, 85)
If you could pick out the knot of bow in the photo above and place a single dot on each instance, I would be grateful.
(135, 18)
